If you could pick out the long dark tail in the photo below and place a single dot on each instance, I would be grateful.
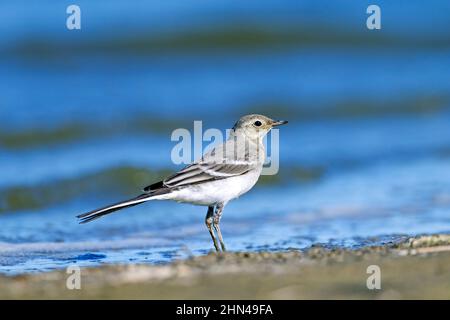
(95, 214)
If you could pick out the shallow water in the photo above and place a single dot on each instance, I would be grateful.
(364, 160)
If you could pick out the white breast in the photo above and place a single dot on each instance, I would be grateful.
(218, 191)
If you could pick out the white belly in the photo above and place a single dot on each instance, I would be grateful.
(218, 191)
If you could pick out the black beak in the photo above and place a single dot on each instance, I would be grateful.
(279, 123)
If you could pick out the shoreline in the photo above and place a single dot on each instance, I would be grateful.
(416, 268)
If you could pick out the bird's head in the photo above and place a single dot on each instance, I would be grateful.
(256, 126)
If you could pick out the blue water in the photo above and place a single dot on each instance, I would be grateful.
(385, 171)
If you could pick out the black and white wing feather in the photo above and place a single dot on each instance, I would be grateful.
(210, 167)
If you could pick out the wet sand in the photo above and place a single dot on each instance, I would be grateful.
(417, 268)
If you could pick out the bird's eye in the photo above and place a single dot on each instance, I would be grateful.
(257, 123)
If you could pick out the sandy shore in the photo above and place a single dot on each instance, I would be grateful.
(414, 269)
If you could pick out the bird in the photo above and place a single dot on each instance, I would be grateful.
(224, 173)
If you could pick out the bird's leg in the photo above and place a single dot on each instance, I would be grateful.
(209, 223)
(216, 223)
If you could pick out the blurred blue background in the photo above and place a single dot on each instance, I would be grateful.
(86, 117)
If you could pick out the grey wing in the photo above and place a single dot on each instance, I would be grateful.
(203, 172)
(214, 165)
